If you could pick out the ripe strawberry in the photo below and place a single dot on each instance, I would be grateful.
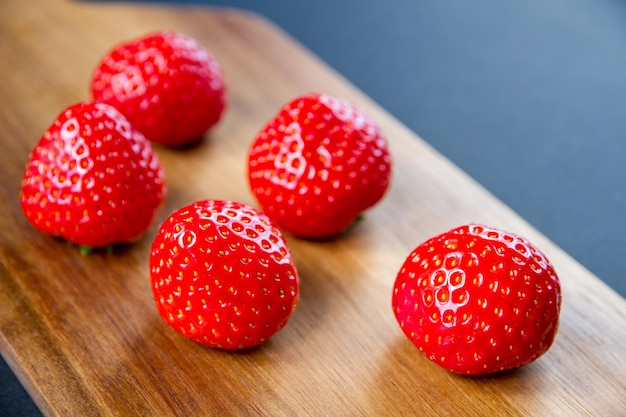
(478, 300)
(318, 164)
(92, 178)
(167, 84)
(222, 275)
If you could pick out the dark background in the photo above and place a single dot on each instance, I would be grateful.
(528, 98)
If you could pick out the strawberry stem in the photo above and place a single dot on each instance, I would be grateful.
(85, 250)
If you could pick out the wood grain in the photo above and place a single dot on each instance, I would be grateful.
(83, 334)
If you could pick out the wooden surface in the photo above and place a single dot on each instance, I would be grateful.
(83, 334)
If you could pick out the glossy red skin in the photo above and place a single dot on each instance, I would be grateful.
(222, 275)
(478, 300)
(168, 85)
(318, 164)
(92, 178)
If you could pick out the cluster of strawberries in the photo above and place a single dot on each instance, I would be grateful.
(474, 299)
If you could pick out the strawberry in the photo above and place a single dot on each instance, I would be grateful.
(478, 300)
(222, 275)
(168, 85)
(92, 178)
(317, 165)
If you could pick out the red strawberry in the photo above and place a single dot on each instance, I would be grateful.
(477, 300)
(318, 164)
(92, 178)
(167, 84)
(222, 275)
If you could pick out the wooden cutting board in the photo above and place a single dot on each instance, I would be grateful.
(83, 334)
